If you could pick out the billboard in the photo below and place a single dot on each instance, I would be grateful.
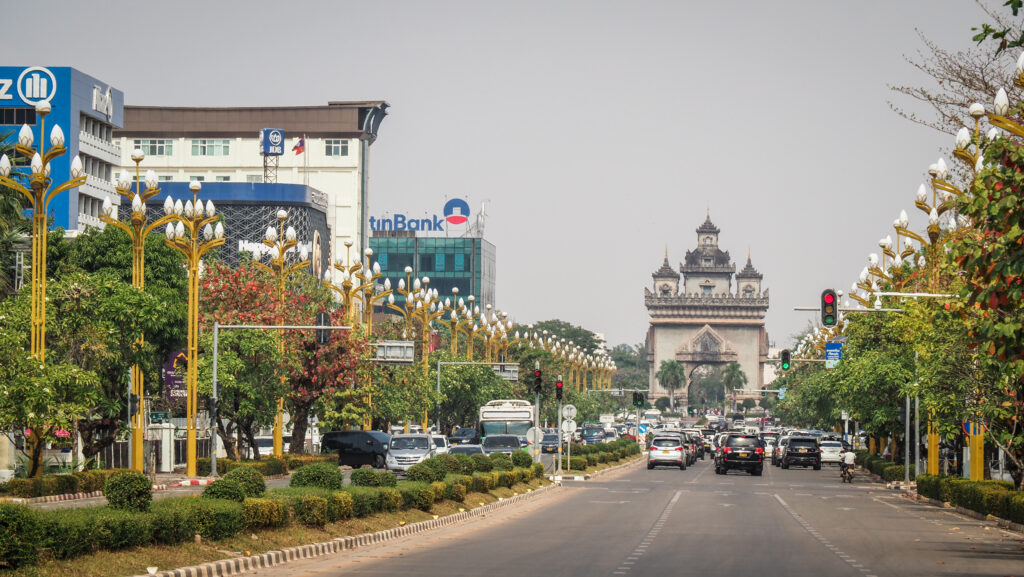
(271, 142)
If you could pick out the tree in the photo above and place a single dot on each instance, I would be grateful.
(748, 404)
(464, 389)
(733, 376)
(581, 337)
(672, 375)
(631, 367)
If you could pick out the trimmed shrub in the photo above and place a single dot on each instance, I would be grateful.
(274, 466)
(365, 500)
(340, 506)
(416, 495)
(929, 486)
(465, 464)
(481, 463)
(116, 529)
(482, 482)
(216, 518)
(228, 489)
(373, 478)
(538, 470)
(20, 532)
(451, 463)
(323, 475)
(129, 491)
(390, 499)
(423, 473)
(521, 458)
(250, 479)
(439, 466)
(456, 491)
(896, 473)
(297, 461)
(440, 490)
(311, 510)
(264, 513)
(575, 463)
(72, 532)
(66, 484)
(500, 462)
(171, 520)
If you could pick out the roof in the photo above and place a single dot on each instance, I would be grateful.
(708, 226)
(749, 271)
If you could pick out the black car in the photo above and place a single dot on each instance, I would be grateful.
(357, 448)
(802, 451)
(743, 452)
(501, 444)
(465, 450)
(465, 436)
(550, 442)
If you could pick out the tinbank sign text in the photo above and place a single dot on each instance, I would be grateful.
(456, 211)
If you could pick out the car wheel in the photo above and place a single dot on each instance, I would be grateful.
(378, 462)
(817, 467)
(650, 466)
(682, 467)
(785, 465)
(757, 472)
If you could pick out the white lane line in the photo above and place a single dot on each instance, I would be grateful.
(824, 542)
(886, 504)
(640, 549)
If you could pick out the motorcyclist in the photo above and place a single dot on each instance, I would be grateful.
(848, 462)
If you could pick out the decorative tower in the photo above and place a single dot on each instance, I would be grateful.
(666, 280)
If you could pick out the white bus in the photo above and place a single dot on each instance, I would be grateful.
(506, 417)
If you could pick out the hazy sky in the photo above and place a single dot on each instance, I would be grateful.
(598, 133)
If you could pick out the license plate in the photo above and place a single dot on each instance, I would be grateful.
(666, 452)
(803, 450)
(743, 454)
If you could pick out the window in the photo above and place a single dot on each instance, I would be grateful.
(460, 262)
(254, 178)
(196, 178)
(706, 262)
(748, 292)
(336, 147)
(211, 147)
(707, 240)
(439, 263)
(223, 179)
(426, 262)
(164, 178)
(16, 116)
(156, 146)
(706, 290)
(382, 259)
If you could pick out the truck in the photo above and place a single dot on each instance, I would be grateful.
(607, 419)
(506, 417)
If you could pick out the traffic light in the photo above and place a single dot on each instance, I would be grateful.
(558, 389)
(787, 359)
(638, 399)
(212, 406)
(133, 405)
(537, 380)
(689, 410)
(829, 308)
(763, 392)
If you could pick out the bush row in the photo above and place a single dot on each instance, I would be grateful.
(266, 465)
(998, 498)
(77, 482)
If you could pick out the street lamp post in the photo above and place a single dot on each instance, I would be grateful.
(279, 243)
(138, 228)
(183, 236)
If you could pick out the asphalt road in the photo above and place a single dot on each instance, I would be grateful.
(793, 523)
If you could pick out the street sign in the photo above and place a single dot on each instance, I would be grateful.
(642, 429)
(845, 416)
(569, 411)
(833, 353)
(534, 435)
(569, 426)
(782, 392)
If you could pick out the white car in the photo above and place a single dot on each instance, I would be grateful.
(440, 444)
(831, 452)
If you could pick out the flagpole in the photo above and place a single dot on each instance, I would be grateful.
(305, 164)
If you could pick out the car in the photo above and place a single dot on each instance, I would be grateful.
(741, 452)
(667, 450)
(357, 448)
(466, 450)
(802, 451)
(501, 444)
(779, 450)
(695, 446)
(465, 436)
(549, 443)
(591, 435)
(440, 444)
(404, 451)
(831, 452)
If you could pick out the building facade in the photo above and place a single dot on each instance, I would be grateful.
(323, 147)
(88, 112)
(467, 263)
(706, 319)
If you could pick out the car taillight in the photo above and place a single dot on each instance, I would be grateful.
(727, 450)
(759, 451)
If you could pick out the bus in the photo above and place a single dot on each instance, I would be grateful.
(506, 417)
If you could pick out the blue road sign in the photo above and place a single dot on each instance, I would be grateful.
(642, 429)
(833, 353)
(782, 392)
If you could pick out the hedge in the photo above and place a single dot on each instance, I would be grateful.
(77, 482)
(896, 473)
(228, 489)
(323, 475)
(998, 498)
(298, 461)
(250, 478)
(266, 465)
(129, 490)
(20, 531)
(373, 478)
(265, 513)
(417, 495)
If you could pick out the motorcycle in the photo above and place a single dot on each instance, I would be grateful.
(846, 474)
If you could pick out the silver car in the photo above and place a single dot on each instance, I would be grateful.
(668, 450)
(404, 451)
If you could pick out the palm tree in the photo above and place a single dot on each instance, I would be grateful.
(733, 376)
(671, 375)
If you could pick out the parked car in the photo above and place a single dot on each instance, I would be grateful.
(802, 451)
(357, 448)
(407, 450)
(743, 452)
(668, 450)
(832, 452)
(501, 444)
(466, 450)
(440, 444)
(550, 443)
(465, 436)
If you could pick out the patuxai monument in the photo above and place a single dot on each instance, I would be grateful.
(708, 320)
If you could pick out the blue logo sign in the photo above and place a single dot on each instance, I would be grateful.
(456, 211)
(271, 142)
(833, 354)
(33, 85)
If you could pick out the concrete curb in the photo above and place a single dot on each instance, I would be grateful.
(999, 521)
(237, 565)
(558, 478)
(63, 497)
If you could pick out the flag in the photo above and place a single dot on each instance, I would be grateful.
(300, 147)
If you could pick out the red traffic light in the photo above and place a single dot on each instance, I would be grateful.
(536, 373)
(829, 298)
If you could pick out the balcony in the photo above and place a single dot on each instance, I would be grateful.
(99, 188)
(98, 148)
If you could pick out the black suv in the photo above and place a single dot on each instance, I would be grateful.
(803, 451)
(356, 448)
(465, 436)
(743, 452)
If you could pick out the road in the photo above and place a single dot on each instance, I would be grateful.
(792, 523)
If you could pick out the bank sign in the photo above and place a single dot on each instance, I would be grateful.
(455, 212)
(271, 142)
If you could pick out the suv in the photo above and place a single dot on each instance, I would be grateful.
(408, 450)
(501, 444)
(779, 449)
(357, 448)
(744, 452)
(465, 436)
(668, 450)
(591, 435)
(802, 451)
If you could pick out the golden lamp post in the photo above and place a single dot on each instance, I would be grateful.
(184, 237)
(138, 228)
(279, 243)
(40, 192)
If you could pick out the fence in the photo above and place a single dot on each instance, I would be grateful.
(115, 456)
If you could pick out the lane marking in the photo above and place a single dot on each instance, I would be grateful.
(824, 542)
(640, 549)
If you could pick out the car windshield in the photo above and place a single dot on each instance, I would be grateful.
(803, 443)
(465, 449)
(743, 442)
(592, 431)
(464, 432)
(550, 439)
(439, 442)
(665, 442)
(832, 444)
(409, 443)
(501, 441)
